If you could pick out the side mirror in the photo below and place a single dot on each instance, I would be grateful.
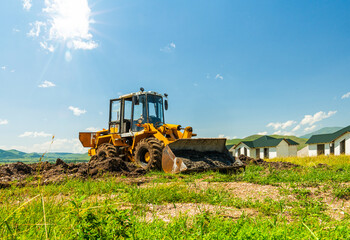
(137, 100)
(166, 104)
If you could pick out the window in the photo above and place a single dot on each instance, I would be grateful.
(115, 111)
(245, 152)
(239, 151)
(140, 116)
(155, 110)
(127, 109)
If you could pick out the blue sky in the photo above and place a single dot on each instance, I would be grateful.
(231, 68)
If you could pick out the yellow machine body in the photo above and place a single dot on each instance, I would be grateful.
(171, 138)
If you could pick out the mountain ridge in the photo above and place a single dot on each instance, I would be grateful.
(324, 130)
(15, 155)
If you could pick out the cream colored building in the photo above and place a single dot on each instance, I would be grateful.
(327, 144)
(266, 147)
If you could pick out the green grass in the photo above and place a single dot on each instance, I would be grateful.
(110, 208)
(331, 160)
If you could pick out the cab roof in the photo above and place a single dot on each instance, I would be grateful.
(129, 95)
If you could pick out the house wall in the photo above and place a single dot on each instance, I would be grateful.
(242, 146)
(282, 149)
(272, 152)
(252, 153)
(286, 150)
(327, 149)
(293, 150)
(303, 152)
(312, 150)
(347, 144)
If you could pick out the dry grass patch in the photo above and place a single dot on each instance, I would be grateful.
(169, 211)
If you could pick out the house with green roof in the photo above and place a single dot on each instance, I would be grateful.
(333, 143)
(266, 147)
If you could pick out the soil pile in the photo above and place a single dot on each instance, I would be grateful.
(46, 172)
(196, 160)
(277, 165)
(99, 166)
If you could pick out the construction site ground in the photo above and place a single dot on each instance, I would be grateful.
(110, 199)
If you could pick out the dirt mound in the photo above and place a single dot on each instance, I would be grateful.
(99, 166)
(277, 165)
(45, 172)
(204, 160)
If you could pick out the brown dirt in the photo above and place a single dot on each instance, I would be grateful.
(46, 172)
(169, 211)
(204, 160)
(277, 165)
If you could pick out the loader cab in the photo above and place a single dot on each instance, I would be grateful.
(129, 112)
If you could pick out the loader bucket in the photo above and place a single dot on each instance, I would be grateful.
(187, 155)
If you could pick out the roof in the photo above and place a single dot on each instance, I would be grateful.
(327, 138)
(229, 146)
(129, 95)
(267, 141)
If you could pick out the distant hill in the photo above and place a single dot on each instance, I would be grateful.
(324, 130)
(15, 155)
(299, 140)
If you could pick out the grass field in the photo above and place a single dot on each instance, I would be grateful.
(342, 160)
(260, 203)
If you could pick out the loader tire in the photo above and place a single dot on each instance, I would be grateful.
(148, 153)
(106, 150)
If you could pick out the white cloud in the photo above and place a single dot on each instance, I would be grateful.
(284, 133)
(346, 95)
(35, 134)
(36, 28)
(3, 68)
(218, 76)
(46, 84)
(227, 137)
(79, 44)
(296, 128)
(15, 30)
(262, 133)
(3, 122)
(279, 125)
(92, 129)
(66, 22)
(308, 129)
(311, 119)
(168, 48)
(57, 145)
(12, 71)
(27, 4)
(76, 111)
(48, 47)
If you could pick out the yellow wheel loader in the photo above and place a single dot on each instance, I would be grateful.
(137, 132)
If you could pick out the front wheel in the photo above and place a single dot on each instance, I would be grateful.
(106, 150)
(148, 153)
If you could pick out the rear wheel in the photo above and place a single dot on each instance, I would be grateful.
(106, 150)
(148, 153)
